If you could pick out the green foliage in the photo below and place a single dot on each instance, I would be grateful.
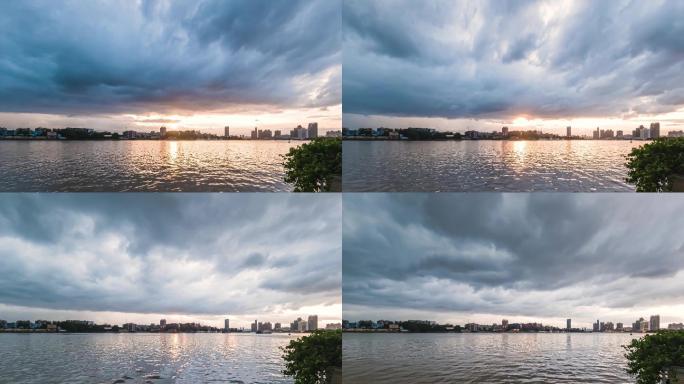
(650, 358)
(311, 359)
(315, 166)
(652, 166)
(426, 328)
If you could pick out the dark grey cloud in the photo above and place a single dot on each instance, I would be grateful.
(520, 254)
(497, 59)
(161, 253)
(67, 57)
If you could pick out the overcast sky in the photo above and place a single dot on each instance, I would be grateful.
(483, 64)
(185, 257)
(524, 257)
(197, 64)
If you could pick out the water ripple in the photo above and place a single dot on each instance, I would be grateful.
(118, 166)
(485, 358)
(142, 358)
(459, 166)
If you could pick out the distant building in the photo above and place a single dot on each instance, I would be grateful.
(162, 131)
(312, 323)
(655, 130)
(607, 327)
(312, 130)
(162, 323)
(504, 131)
(640, 325)
(264, 327)
(226, 131)
(568, 131)
(504, 323)
(619, 327)
(266, 134)
(597, 326)
(568, 322)
(226, 324)
(255, 134)
(654, 322)
(255, 326)
(334, 326)
(675, 326)
(596, 134)
(299, 133)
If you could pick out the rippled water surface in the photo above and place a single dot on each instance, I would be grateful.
(485, 358)
(567, 166)
(142, 166)
(142, 358)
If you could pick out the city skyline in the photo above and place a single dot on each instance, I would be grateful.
(470, 65)
(188, 258)
(527, 258)
(186, 65)
(640, 325)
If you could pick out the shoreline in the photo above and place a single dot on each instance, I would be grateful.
(461, 140)
(127, 140)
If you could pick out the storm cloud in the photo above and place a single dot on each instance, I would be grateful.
(157, 56)
(192, 255)
(491, 59)
(528, 255)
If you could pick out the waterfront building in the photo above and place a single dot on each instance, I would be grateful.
(504, 324)
(504, 131)
(226, 324)
(312, 130)
(607, 327)
(264, 327)
(597, 326)
(654, 323)
(568, 133)
(568, 322)
(162, 323)
(255, 326)
(299, 133)
(640, 325)
(162, 132)
(312, 323)
(226, 131)
(619, 327)
(655, 130)
(676, 326)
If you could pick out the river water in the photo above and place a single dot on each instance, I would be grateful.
(142, 357)
(480, 166)
(115, 166)
(485, 358)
